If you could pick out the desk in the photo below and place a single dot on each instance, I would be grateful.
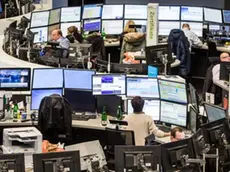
(219, 48)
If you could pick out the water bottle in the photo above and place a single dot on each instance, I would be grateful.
(103, 34)
(103, 117)
(119, 113)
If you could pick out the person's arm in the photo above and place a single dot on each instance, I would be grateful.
(154, 130)
(64, 43)
(216, 72)
(196, 40)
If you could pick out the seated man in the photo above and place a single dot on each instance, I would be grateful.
(142, 125)
(177, 134)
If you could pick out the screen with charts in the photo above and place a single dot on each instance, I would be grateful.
(47, 78)
(213, 15)
(112, 12)
(38, 95)
(144, 87)
(173, 91)
(41, 34)
(78, 79)
(15, 78)
(39, 19)
(173, 113)
(55, 15)
(92, 25)
(69, 14)
(92, 11)
(169, 13)
(65, 26)
(192, 13)
(151, 108)
(166, 26)
(109, 84)
(112, 27)
(135, 12)
(226, 14)
(214, 113)
(197, 28)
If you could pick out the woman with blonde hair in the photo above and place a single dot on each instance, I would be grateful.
(127, 28)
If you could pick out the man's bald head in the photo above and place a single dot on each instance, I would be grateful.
(224, 56)
(56, 34)
(186, 26)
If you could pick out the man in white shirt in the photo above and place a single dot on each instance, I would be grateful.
(192, 37)
(142, 125)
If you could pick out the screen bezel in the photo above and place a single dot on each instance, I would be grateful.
(207, 21)
(135, 18)
(59, 16)
(108, 20)
(92, 5)
(192, 20)
(123, 11)
(170, 19)
(71, 20)
(46, 25)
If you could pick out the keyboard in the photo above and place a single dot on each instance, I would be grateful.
(164, 128)
(80, 117)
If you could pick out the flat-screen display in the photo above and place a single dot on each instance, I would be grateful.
(92, 25)
(226, 14)
(15, 79)
(214, 113)
(113, 84)
(55, 16)
(112, 12)
(41, 34)
(166, 26)
(135, 12)
(92, 11)
(112, 27)
(65, 26)
(192, 13)
(47, 78)
(39, 19)
(213, 15)
(70, 14)
(197, 28)
(169, 13)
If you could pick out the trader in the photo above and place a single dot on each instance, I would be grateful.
(177, 134)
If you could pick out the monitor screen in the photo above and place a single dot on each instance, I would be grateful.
(55, 15)
(151, 108)
(39, 19)
(169, 13)
(69, 14)
(144, 87)
(226, 14)
(214, 113)
(193, 117)
(166, 26)
(135, 12)
(47, 78)
(112, 12)
(92, 11)
(92, 25)
(197, 28)
(112, 27)
(192, 13)
(173, 91)
(214, 27)
(212, 15)
(15, 78)
(113, 84)
(65, 26)
(173, 113)
(78, 79)
(38, 95)
(41, 34)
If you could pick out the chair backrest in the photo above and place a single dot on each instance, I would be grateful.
(212, 50)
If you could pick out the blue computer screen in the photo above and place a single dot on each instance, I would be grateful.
(47, 78)
(78, 79)
(38, 95)
(226, 16)
(92, 25)
(144, 87)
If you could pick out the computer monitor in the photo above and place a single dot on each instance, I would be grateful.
(166, 26)
(129, 68)
(112, 27)
(198, 143)
(214, 27)
(151, 108)
(137, 158)
(92, 25)
(172, 113)
(135, 12)
(92, 11)
(57, 161)
(193, 120)
(213, 15)
(12, 162)
(41, 34)
(70, 14)
(173, 91)
(65, 26)
(38, 95)
(142, 86)
(78, 79)
(109, 84)
(174, 153)
(111, 104)
(13, 24)
(192, 13)
(81, 100)
(112, 11)
(214, 113)
(47, 78)
(169, 13)
(40, 18)
(55, 15)
(194, 97)
(197, 28)
(17, 79)
(224, 71)
(226, 14)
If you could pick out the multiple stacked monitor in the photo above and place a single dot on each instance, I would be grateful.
(112, 18)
